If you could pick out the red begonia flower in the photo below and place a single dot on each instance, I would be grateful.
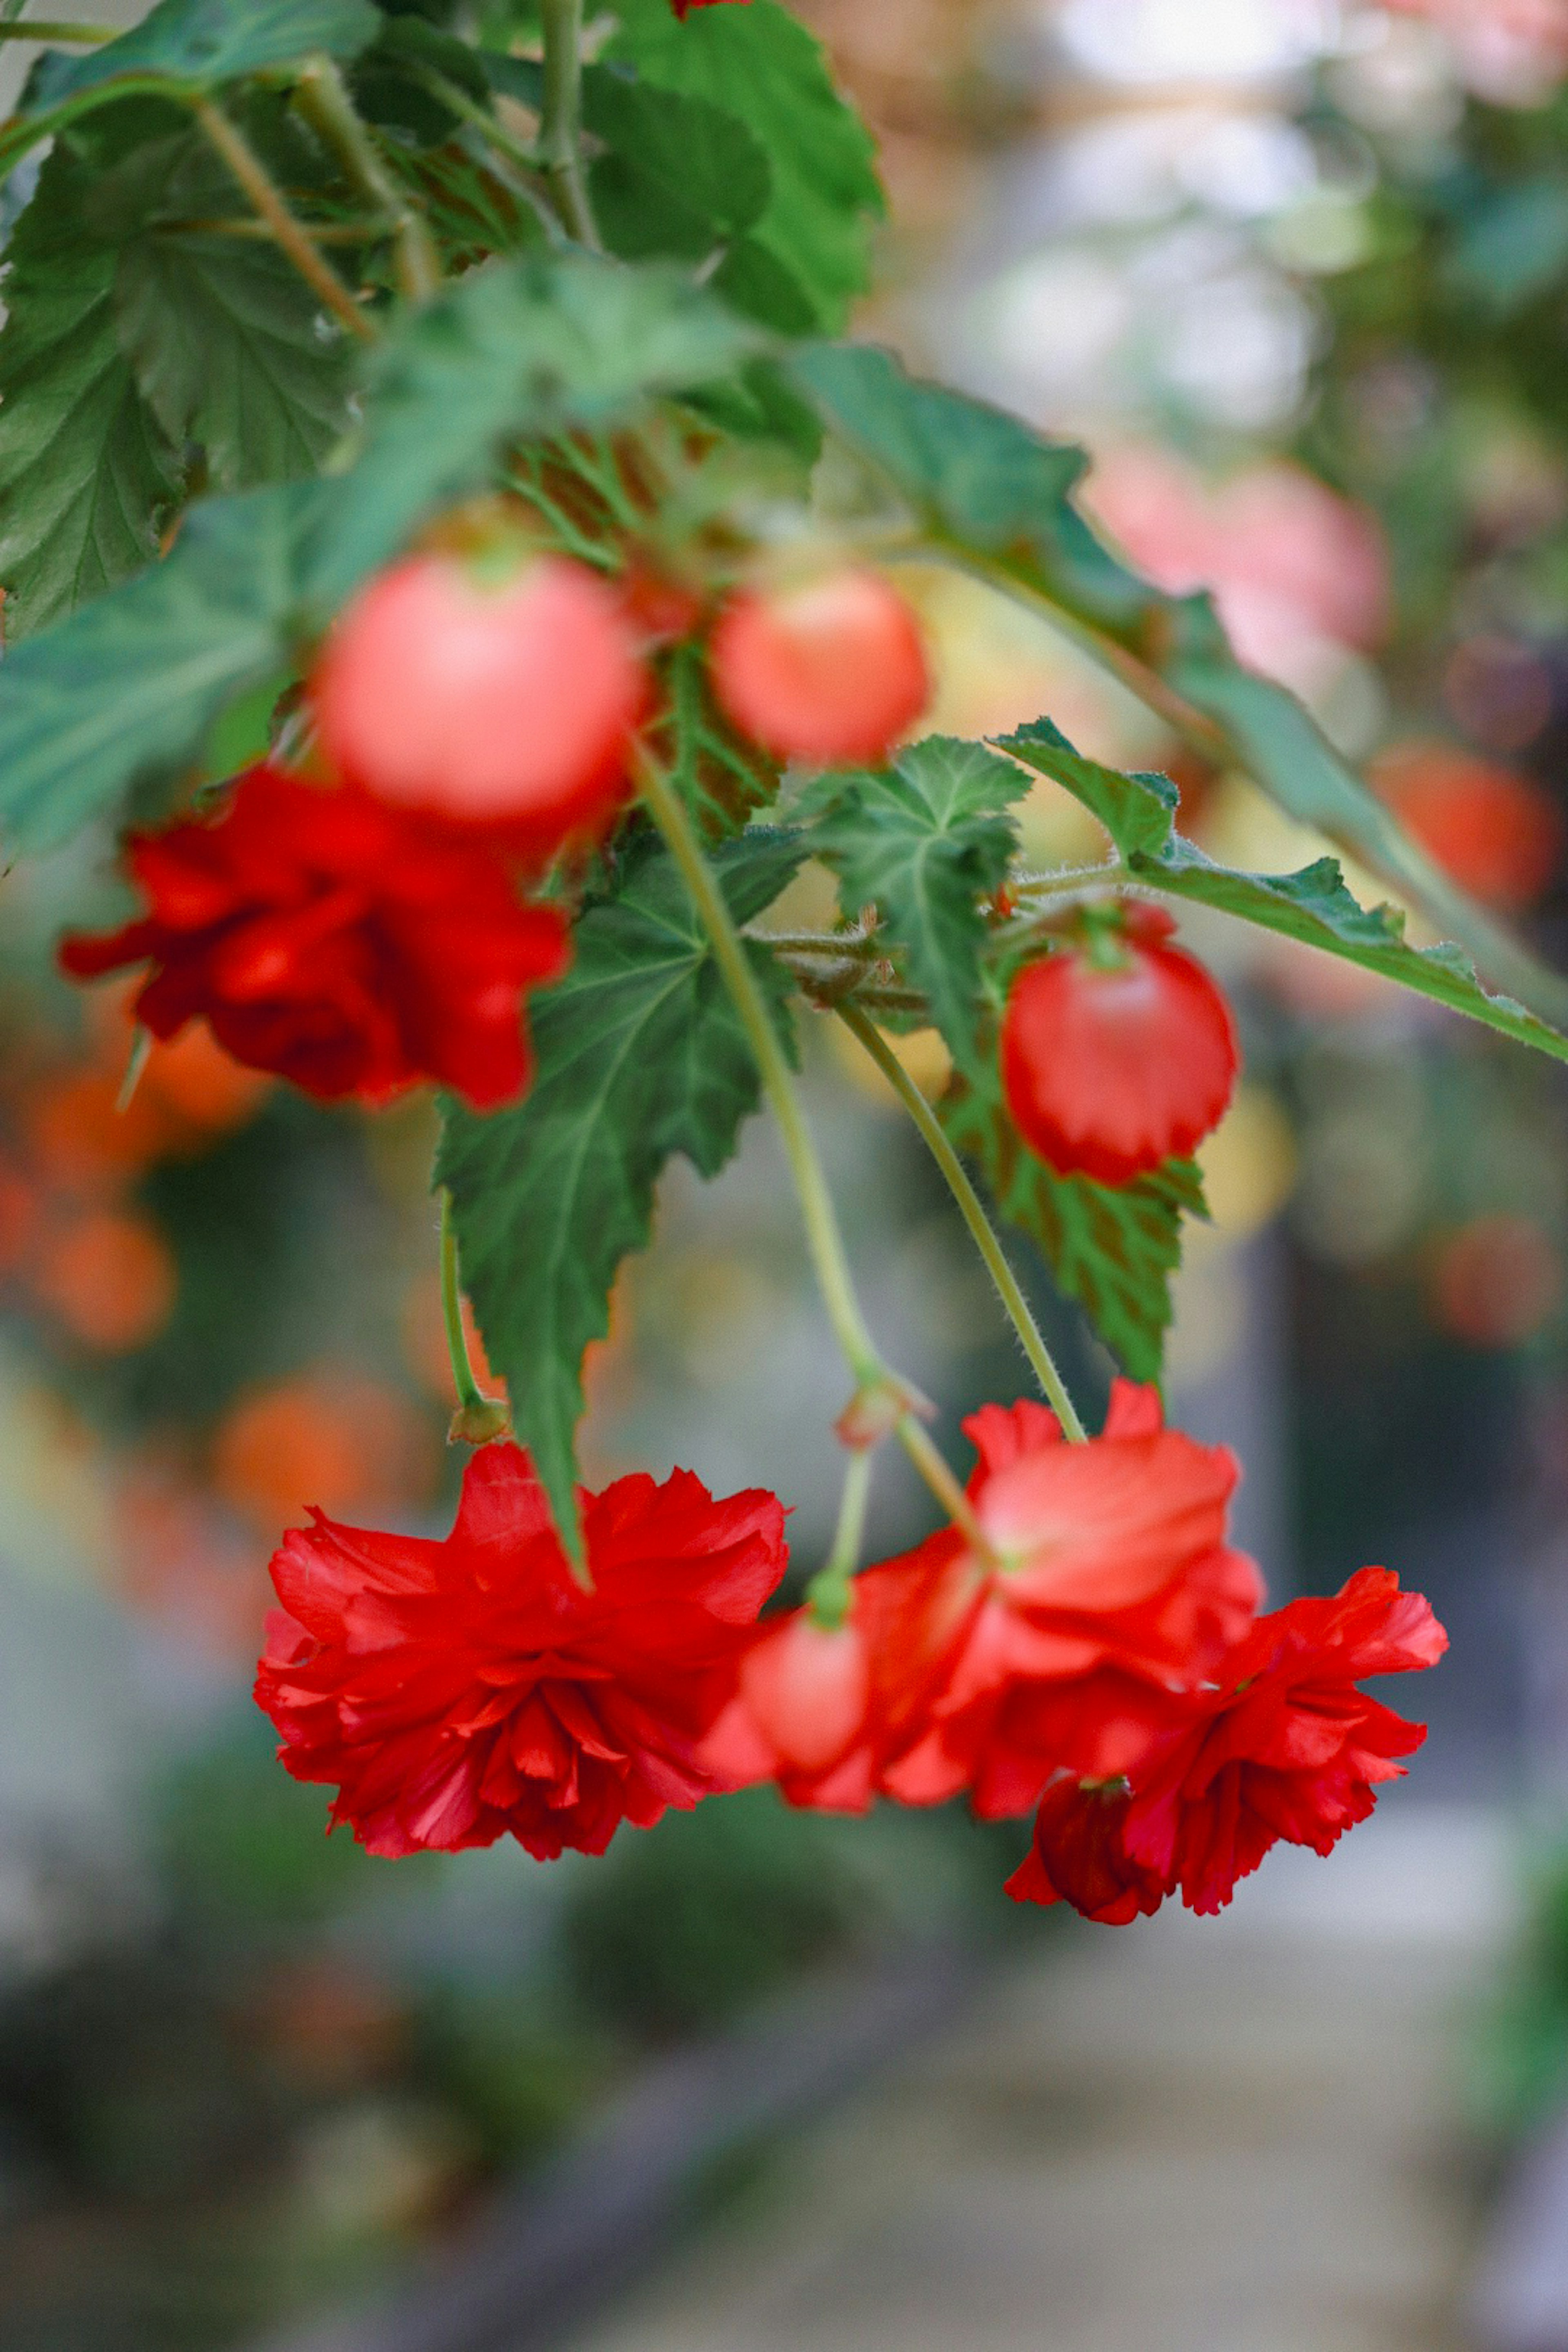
(801, 1714)
(455, 1692)
(1116, 1586)
(1284, 1747)
(348, 946)
(1077, 1857)
(821, 1711)
(1118, 1055)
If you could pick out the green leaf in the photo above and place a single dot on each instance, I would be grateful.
(760, 65)
(990, 495)
(472, 212)
(228, 343)
(723, 780)
(524, 349)
(1312, 906)
(206, 43)
(679, 175)
(1112, 1248)
(127, 688)
(86, 471)
(229, 353)
(926, 841)
(639, 1054)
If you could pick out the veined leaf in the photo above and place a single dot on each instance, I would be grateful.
(1112, 1248)
(640, 1054)
(760, 65)
(127, 338)
(925, 841)
(128, 686)
(530, 348)
(86, 469)
(995, 499)
(229, 345)
(1312, 906)
(723, 780)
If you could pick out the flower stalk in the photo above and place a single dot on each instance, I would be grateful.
(984, 1237)
(884, 1404)
(560, 117)
(479, 1417)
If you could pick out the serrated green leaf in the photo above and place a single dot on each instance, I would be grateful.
(925, 841)
(229, 345)
(206, 43)
(994, 497)
(524, 349)
(761, 66)
(86, 471)
(1312, 906)
(128, 686)
(723, 780)
(639, 1056)
(1112, 1248)
(228, 352)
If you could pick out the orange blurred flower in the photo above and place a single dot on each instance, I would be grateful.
(327, 1438)
(109, 1277)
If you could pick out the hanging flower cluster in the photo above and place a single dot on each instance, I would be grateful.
(1079, 1640)
(504, 839)
(1095, 1654)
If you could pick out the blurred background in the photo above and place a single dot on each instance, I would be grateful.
(1297, 274)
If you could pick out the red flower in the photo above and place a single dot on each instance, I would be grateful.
(1285, 1748)
(1077, 1857)
(1118, 1055)
(1115, 1587)
(822, 1710)
(801, 1714)
(351, 947)
(455, 1692)
(683, 7)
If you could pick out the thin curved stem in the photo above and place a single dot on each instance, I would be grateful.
(469, 1392)
(969, 1203)
(519, 156)
(883, 1403)
(322, 97)
(939, 1477)
(560, 116)
(827, 1594)
(293, 237)
(826, 1242)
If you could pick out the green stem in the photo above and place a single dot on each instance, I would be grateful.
(560, 117)
(50, 28)
(322, 95)
(823, 1236)
(975, 1217)
(521, 157)
(828, 1593)
(469, 1392)
(939, 1477)
(881, 1396)
(293, 237)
